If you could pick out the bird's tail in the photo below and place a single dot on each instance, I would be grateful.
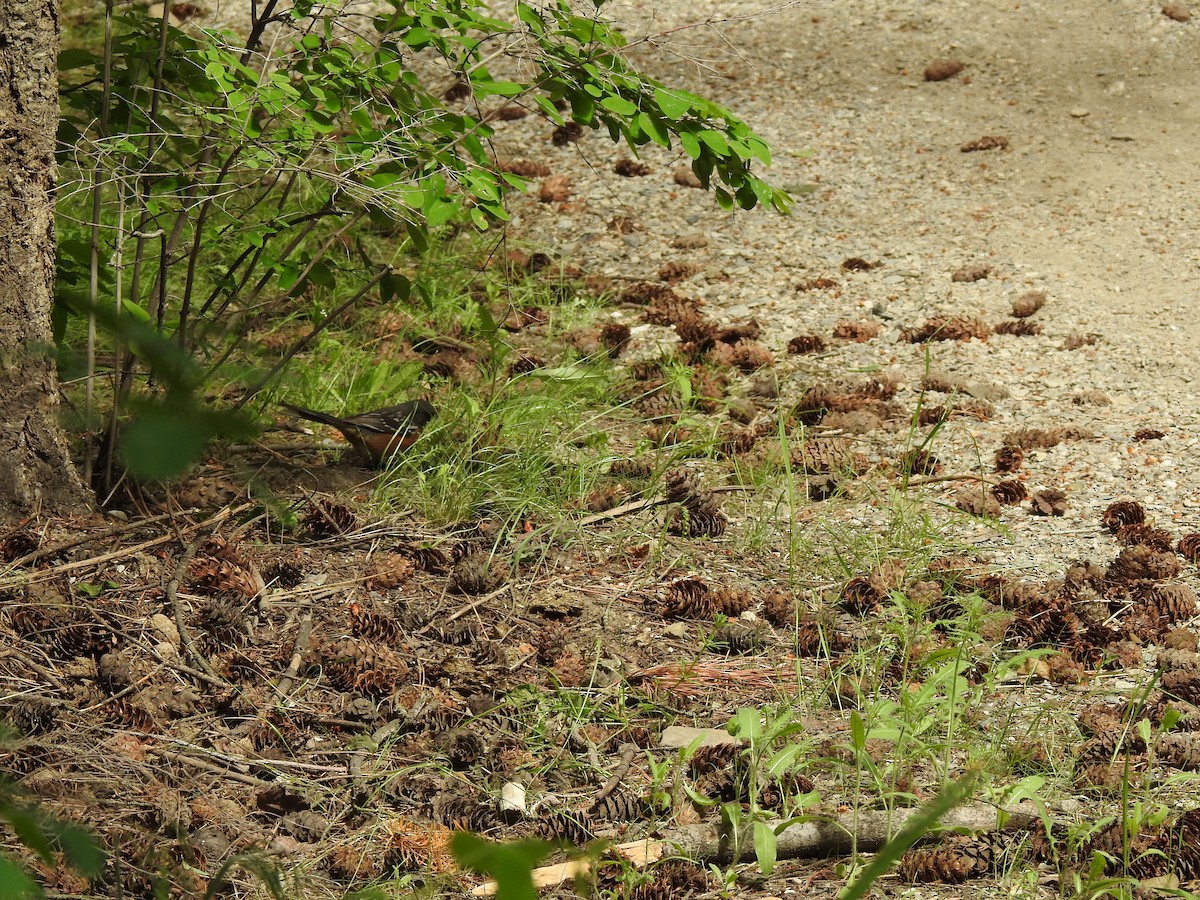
(313, 415)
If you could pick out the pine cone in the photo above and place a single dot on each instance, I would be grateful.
(1049, 502)
(566, 134)
(1147, 535)
(1121, 514)
(1172, 602)
(630, 168)
(428, 557)
(698, 523)
(526, 168)
(682, 488)
(933, 865)
(361, 667)
(1141, 563)
(778, 609)
(388, 571)
(806, 343)
(751, 355)
(328, 519)
(225, 623)
(861, 596)
(713, 758)
(947, 328)
(606, 497)
(631, 468)
(477, 573)
(1028, 303)
(819, 456)
(672, 272)
(1189, 547)
(564, 825)
(738, 638)
(375, 626)
(33, 715)
(859, 332)
(689, 598)
(645, 292)
(1009, 492)
(1018, 328)
(1009, 459)
(614, 336)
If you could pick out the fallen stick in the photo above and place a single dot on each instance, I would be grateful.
(637, 505)
(961, 476)
(56, 571)
(867, 832)
(89, 539)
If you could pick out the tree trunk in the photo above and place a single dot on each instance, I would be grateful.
(36, 472)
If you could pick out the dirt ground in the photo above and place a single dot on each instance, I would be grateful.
(1094, 202)
(340, 703)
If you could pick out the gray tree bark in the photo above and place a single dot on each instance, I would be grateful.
(36, 472)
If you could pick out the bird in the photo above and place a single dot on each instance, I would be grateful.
(380, 434)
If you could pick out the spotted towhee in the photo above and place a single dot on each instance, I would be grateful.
(380, 434)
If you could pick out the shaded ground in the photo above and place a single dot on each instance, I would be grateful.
(342, 697)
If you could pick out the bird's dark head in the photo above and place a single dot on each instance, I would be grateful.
(423, 411)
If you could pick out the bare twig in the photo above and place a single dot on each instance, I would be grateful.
(56, 571)
(961, 476)
(87, 539)
(185, 638)
(299, 649)
(638, 505)
(464, 610)
(205, 766)
(868, 830)
(618, 774)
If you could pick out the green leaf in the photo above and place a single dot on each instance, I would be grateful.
(654, 128)
(619, 105)
(691, 146)
(765, 846)
(419, 235)
(76, 58)
(716, 142)
(918, 825)
(549, 109)
(80, 850)
(529, 16)
(321, 274)
(161, 443)
(29, 831)
(746, 724)
(381, 180)
(394, 286)
(500, 88)
(740, 149)
(14, 883)
(760, 150)
(134, 310)
(858, 731)
(673, 105)
(441, 212)
(258, 865)
(167, 435)
(417, 37)
(583, 108)
(510, 865)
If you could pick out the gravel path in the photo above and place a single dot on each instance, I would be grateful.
(1095, 201)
